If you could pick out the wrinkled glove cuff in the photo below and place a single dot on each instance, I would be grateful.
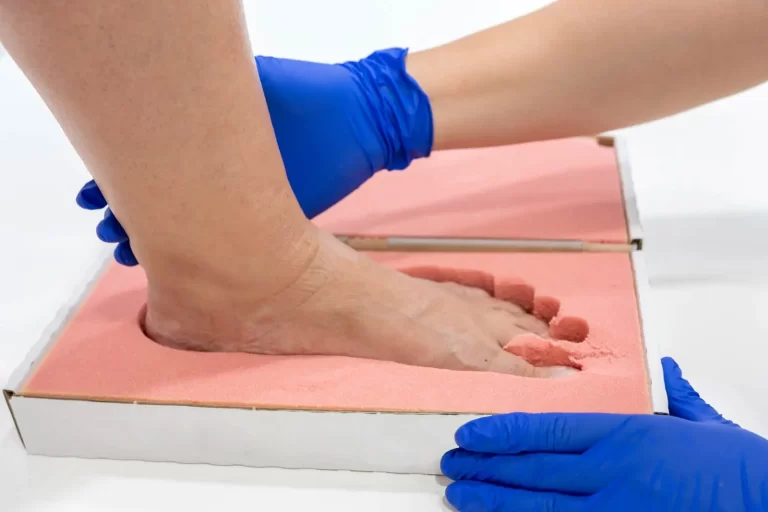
(402, 109)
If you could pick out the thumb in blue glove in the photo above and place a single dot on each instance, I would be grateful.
(335, 124)
(684, 401)
(575, 462)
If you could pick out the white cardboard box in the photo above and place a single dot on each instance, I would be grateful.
(386, 441)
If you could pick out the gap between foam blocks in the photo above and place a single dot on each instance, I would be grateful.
(397, 243)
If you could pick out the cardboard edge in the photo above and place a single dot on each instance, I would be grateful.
(650, 339)
(360, 441)
(59, 322)
(8, 395)
(631, 211)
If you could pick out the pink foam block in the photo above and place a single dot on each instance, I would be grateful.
(559, 190)
(568, 189)
(104, 355)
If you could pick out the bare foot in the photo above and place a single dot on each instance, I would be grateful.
(343, 303)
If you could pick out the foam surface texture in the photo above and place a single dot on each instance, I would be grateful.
(103, 354)
(559, 190)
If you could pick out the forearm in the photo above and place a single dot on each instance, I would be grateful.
(579, 67)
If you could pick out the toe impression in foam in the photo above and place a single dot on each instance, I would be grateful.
(515, 291)
(569, 329)
(546, 308)
(540, 352)
(466, 277)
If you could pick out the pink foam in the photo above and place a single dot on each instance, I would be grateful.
(103, 354)
(559, 190)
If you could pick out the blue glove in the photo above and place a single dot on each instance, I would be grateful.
(693, 460)
(335, 124)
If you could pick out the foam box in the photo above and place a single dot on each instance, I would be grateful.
(294, 412)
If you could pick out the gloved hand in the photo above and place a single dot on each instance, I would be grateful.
(335, 124)
(691, 460)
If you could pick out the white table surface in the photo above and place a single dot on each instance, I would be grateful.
(701, 180)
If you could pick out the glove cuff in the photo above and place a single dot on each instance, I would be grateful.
(404, 116)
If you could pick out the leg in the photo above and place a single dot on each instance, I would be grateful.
(162, 102)
(164, 105)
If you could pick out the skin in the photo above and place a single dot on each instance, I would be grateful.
(162, 102)
(579, 67)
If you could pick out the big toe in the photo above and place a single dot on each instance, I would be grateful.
(541, 352)
(555, 372)
(506, 362)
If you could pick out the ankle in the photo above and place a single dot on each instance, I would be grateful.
(261, 266)
(198, 304)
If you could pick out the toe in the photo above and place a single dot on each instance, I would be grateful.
(493, 304)
(501, 325)
(555, 372)
(504, 324)
(475, 279)
(569, 329)
(515, 291)
(504, 362)
(541, 352)
(546, 308)
(466, 292)
(532, 324)
(465, 277)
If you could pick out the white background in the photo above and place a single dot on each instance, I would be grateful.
(701, 180)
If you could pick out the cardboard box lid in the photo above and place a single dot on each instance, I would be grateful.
(570, 189)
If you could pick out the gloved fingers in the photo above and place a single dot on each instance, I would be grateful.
(90, 197)
(124, 255)
(471, 496)
(550, 472)
(550, 432)
(684, 401)
(110, 230)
